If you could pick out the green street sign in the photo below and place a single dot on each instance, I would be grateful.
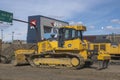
(6, 16)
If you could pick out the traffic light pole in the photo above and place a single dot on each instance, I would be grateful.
(21, 21)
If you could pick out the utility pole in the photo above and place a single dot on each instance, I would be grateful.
(2, 34)
(1, 44)
(13, 36)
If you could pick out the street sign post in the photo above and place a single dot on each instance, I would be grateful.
(6, 16)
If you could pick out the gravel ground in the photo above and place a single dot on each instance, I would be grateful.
(8, 72)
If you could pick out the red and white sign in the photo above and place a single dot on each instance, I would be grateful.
(33, 23)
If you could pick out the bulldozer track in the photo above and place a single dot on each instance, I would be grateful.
(81, 64)
(53, 67)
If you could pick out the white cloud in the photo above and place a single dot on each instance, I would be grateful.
(76, 23)
(112, 29)
(104, 30)
(4, 26)
(109, 27)
(116, 21)
(91, 27)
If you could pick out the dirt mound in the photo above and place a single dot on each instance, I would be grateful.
(8, 51)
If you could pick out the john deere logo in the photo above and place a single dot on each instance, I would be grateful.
(69, 45)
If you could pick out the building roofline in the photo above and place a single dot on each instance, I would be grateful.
(49, 18)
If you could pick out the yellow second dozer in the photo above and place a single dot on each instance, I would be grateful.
(68, 50)
(112, 48)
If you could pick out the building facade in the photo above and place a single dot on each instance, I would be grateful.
(44, 26)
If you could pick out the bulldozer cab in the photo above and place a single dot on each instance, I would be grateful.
(70, 33)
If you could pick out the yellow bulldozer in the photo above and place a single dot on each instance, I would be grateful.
(67, 50)
(112, 48)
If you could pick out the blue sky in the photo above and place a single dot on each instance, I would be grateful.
(100, 16)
